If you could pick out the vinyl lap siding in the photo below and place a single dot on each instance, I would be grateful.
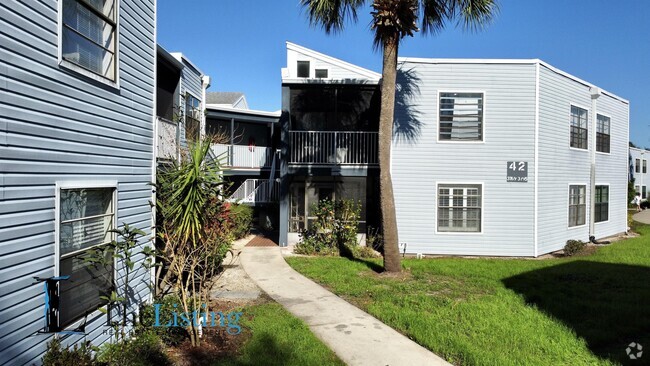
(56, 125)
(560, 165)
(509, 115)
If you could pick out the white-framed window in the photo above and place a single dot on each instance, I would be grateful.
(192, 117)
(460, 117)
(459, 207)
(602, 133)
(85, 216)
(304, 68)
(602, 203)
(321, 73)
(637, 189)
(637, 165)
(577, 205)
(644, 193)
(579, 129)
(88, 37)
(645, 166)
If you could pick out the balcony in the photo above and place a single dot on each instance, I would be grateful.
(254, 191)
(244, 157)
(333, 147)
(167, 139)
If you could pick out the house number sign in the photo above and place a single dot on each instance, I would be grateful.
(517, 171)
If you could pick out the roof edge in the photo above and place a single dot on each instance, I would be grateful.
(338, 62)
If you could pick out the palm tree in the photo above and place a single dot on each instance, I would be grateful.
(392, 20)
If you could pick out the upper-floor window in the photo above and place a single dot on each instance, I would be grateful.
(303, 69)
(577, 205)
(579, 128)
(459, 208)
(602, 134)
(645, 166)
(461, 117)
(321, 73)
(86, 216)
(192, 117)
(88, 38)
(637, 166)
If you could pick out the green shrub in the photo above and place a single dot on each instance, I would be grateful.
(335, 229)
(146, 349)
(77, 355)
(171, 336)
(573, 247)
(364, 252)
(241, 217)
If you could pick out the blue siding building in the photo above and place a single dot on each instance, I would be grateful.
(77, 87)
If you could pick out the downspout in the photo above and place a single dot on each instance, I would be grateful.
(205, 84)
(536, 164)
(595, 93)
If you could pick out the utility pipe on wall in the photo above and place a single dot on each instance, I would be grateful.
(595, 93)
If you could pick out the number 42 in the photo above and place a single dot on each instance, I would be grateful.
(514, 166)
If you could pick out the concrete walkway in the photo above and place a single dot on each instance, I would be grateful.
(356, 337)
(642, 217)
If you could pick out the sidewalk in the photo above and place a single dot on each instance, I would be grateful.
(356, 337)
(642, 217)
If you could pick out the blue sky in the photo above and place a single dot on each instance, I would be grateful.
(241, 44)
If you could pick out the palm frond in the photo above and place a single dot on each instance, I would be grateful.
(331, 15)
(472, 15)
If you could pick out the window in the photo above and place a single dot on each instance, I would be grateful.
(321, 73)
(579, 128)
(461, 117)
(602, 204)
(637, 189)
(85, 217)
(602, 134)
(643, 192)
(303, 69)
(577, 205)
(88, 35)
(459, 208)
(192, 118)
(637, 166)
(645, 166)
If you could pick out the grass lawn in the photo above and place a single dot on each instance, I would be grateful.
(278, 338)
(582, 310)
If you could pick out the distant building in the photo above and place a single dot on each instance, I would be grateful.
(639, 170)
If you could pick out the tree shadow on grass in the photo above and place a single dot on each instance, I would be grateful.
(606, 304)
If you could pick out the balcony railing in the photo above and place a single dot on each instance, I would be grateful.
(237, 156)
(256, 191)
(333, 147)
(167, 139)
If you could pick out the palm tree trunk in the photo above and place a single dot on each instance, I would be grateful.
(388, 217)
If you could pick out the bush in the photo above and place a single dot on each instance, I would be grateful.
(335, 229)
(241, 217)
(77, 355)
(146, 349)
(171, 336)
(573, 247)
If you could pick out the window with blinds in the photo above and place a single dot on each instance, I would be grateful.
(88, 35)
(579, 129)
(461, 117)
(577, 205)
(192, 118)
(459, 208)
(86, 217)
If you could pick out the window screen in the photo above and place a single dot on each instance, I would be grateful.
(577, 205)
(88, 38)
(579, 128)
(461, 116)
(459, 208)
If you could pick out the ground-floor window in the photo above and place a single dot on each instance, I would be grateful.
(86, 216)
(602, 204)
(459, 207)
(577, 205)
(644, 193)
